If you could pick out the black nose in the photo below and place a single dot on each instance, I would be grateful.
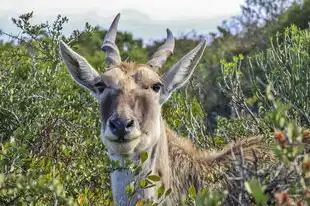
(120, 127)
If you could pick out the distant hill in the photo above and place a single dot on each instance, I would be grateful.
(131, 20)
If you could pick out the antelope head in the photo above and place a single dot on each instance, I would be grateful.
(131, 94)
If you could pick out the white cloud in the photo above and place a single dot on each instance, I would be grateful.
(146, 19)
(156, 9)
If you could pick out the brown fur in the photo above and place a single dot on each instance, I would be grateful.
(190, 166)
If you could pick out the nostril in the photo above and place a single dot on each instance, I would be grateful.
(112, 125)
(130, 124)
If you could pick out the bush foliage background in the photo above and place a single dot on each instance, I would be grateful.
(252, 80)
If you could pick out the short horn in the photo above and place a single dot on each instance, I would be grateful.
(163, 52)
(109, 46)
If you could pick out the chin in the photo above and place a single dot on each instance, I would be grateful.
(121, 148)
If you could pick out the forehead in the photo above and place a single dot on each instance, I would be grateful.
(130, 75)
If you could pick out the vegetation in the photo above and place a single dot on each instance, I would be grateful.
(253, 80)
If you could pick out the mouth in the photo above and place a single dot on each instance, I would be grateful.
(123, 140)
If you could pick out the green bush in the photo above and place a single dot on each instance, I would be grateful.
(51, 152)
(50, 145)
(286, 67)
(275, 100)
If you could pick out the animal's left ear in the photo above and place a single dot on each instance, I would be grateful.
(178, 75)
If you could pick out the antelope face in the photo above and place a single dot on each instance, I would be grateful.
(131, 94)
(130, 108)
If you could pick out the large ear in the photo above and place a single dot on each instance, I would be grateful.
(178, 75)
(81, 71)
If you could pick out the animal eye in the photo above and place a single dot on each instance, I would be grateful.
(100, 86)
(156, 87)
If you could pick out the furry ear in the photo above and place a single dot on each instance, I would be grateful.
(81, 71)
(178, 75)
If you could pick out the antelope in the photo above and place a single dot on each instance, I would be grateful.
(131, 96)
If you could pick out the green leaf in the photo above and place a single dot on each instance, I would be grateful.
(143, 157)
(168, 192)
(254, 188)
(192, 191)
(130, 189)
(137, 170)
(143, 183)
(154, 178)
(2, 178)
(160, 191)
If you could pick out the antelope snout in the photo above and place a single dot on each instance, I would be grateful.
(120, 127)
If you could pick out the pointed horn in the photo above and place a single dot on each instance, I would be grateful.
(109, 46)
(163, 52)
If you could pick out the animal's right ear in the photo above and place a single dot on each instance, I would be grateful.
(179, 74)
(81, 71)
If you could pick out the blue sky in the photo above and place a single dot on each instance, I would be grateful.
(146, 19)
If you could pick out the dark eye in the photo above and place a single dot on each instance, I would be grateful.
(156, 87)
(100, 86)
